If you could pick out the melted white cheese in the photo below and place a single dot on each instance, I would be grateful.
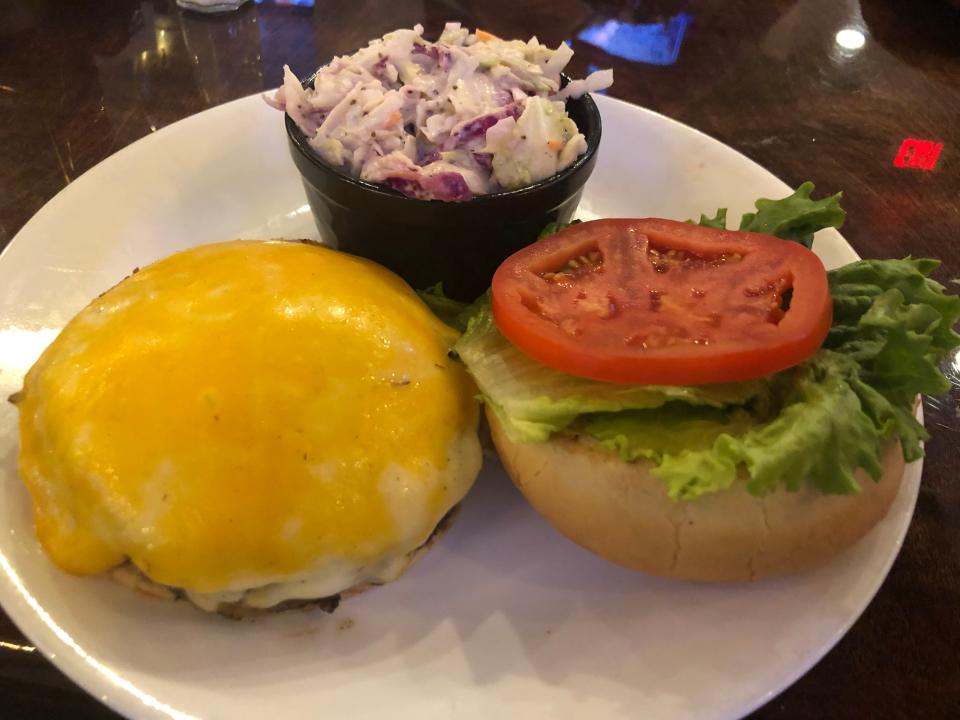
(334, 576)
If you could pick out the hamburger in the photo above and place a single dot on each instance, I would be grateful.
(249, 425)
(706, 404)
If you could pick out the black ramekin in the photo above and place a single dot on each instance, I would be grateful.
(430, 241)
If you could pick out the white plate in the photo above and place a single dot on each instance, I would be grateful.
(504, 618)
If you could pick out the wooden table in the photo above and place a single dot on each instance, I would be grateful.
(859, 96)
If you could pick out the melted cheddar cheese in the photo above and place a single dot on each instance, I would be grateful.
(247, 413)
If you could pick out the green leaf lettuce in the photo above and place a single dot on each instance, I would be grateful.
(795, 217)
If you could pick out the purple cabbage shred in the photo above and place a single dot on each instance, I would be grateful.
(446, 186)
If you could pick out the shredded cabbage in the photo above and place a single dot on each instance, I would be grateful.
(442, 120)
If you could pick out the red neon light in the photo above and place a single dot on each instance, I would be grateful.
(920, 154)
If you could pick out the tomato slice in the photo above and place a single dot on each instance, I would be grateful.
(659, 302)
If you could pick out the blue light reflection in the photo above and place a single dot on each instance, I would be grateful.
(651, 43)
(295, 3)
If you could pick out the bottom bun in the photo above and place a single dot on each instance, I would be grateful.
(129, 575)
(621, 512)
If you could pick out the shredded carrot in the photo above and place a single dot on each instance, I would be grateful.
(392, 119)
(484, 36)
(555, 145)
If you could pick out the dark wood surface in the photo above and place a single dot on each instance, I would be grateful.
(80, 80)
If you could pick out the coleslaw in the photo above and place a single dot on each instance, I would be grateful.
(469, 114)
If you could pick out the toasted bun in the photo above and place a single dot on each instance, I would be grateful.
(621, 512)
